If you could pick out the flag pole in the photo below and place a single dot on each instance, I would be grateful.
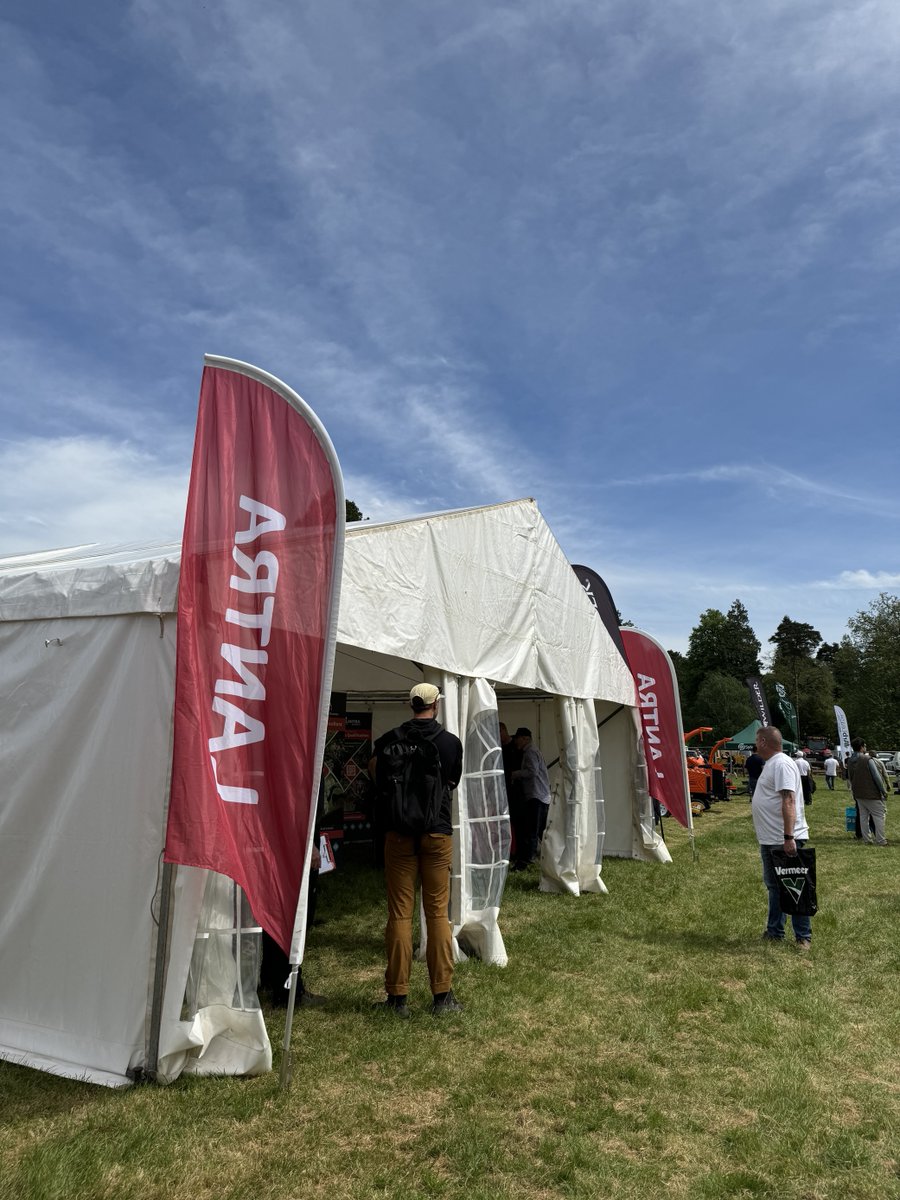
(287, 1063)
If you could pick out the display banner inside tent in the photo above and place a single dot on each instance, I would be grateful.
(658, 704)
(257, 604)
(758, 699)
(600, 596)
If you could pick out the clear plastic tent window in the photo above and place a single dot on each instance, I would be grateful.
(487, 851)
(227, 951)
(600, 808)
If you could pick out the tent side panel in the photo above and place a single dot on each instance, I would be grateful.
(629, 811)
(81, 828)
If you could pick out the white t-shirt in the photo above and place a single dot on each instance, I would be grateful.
(831, 766)
(802, 766)
(779, 774)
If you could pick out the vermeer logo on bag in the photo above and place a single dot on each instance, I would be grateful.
(793, 880)
(794, 887)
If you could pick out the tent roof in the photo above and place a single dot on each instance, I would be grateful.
(480, 591)
(747, 736)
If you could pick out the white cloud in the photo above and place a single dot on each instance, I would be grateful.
(862, 580)
(58, 492)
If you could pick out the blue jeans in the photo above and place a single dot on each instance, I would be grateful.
(776, 919)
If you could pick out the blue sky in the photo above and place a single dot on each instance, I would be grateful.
(638, 260)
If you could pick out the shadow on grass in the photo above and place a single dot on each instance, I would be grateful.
(27, 1094)
(693, 941)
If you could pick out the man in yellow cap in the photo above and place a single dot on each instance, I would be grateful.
(416, 767)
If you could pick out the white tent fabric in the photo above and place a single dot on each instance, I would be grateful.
(84, 760)
(483, 601)
(571, 852)
(483, 592)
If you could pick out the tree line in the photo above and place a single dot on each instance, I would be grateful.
(861, 673)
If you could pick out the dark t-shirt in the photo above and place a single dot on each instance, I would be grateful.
(754, 765)
(449, 748)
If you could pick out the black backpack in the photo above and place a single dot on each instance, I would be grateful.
(412, 790)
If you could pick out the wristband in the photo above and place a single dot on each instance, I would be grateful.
(788, 837)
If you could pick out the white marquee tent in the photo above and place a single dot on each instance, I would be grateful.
(481, 601)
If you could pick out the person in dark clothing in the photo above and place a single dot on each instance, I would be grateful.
(754, 765)
(515, 795)
(512, 756)
(532, 777)
(427, 858)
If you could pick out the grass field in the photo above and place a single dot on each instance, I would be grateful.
(640, 1044)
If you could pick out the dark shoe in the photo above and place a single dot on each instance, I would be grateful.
(804, 944)
(394, 1004)
(310, 1000)
(449, 1004)
(772, 937)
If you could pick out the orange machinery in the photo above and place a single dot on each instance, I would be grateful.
(706, 781)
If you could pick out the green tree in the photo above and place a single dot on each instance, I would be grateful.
(352, 512)
(680, 663)
(867, 673)
(827, 652)
(721, 702)
(722, 643)
(810, 688)
(809, 683)
(795, 639)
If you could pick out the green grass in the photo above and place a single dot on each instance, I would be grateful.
(640, 1044)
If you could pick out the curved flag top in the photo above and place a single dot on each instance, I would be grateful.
(257, 608)
(657, 699)
(758, 699)
(843, 733)
(601, 597)
(788, 711)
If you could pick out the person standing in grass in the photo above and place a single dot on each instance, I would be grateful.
(424, 856)
(753, 765)
(805, 770)
(869, 788)
(779, 820)
(831, 770)
(535, 784)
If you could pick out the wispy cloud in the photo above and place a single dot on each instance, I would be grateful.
(766, 477)
(861, 580)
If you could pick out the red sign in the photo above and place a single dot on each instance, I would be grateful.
(256, 605)
(658, 704)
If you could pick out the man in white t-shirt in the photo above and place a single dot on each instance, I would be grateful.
(779, 819)
(805, 775)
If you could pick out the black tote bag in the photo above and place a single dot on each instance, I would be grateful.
(796, 875)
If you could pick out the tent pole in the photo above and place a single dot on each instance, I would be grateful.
(287, 1066)
(159, 977)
